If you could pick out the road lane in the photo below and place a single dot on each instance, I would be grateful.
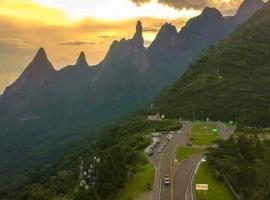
(184, 175)
(164, 163)
(224, 132)
(183, 178)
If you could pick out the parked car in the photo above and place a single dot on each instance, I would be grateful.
(148, 151)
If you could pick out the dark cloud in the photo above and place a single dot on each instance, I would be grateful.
(76, 43)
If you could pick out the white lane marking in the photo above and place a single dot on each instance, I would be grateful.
(190, 181)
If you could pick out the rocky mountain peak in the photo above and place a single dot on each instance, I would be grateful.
(247, 9)
(166, 38)
(35, 74)
(211, 13)
(41, 54)
(81, 61)
(138, 36)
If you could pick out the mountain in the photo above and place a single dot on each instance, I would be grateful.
(16, 96)
(129, 51)
(48, 112)
(247, 8)
(176, 50)
(229, 81)
(34, 76)
(81, 61)
(45, 111)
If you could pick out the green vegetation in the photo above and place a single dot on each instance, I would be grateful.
(142, 182)
(185, 152)
(229, 81)
(123, 167)
(244, 161)
(216, 189)
(202, 133)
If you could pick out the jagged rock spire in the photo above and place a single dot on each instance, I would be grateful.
(82, 60)
(138, 36)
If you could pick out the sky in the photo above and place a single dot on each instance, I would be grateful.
(66, 27)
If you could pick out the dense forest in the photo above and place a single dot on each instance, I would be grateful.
(119, 151)
(230, 81)
(244, 161)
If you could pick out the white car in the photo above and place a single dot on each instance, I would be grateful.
(166, 179)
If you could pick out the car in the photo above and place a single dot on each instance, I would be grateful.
(166, 179)
(148, 151)
(160, 151)
(169, 137)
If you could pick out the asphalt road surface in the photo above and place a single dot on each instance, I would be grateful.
(224, 132)
(181, 176)
(164, 163)
(185, 172)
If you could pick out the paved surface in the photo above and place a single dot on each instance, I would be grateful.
(164, 163)
(183, 178)
(224, 132)
(185, 173)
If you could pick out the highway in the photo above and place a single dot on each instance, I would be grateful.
(181, 175)
(164, 163)
(183, 178)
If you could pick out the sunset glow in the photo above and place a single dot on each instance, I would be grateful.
(66, 27)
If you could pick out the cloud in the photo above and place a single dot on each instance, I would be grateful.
(140, 2)
(16, 42)
(196, 4)
(151, 29)
(106, 36)
(76, 43)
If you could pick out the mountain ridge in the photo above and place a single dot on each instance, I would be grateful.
(229, 81)
(77, 101)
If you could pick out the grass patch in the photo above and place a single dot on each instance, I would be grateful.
(137, 185)
(217, 189)
(185, 152)
(202, 133)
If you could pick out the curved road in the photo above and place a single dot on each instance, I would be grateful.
(184, 175)
(183, 178)
(164, 163)
(180, 175)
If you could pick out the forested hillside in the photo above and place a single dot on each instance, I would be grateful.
(230, 81)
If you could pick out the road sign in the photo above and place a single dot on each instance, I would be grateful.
(202, 187)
